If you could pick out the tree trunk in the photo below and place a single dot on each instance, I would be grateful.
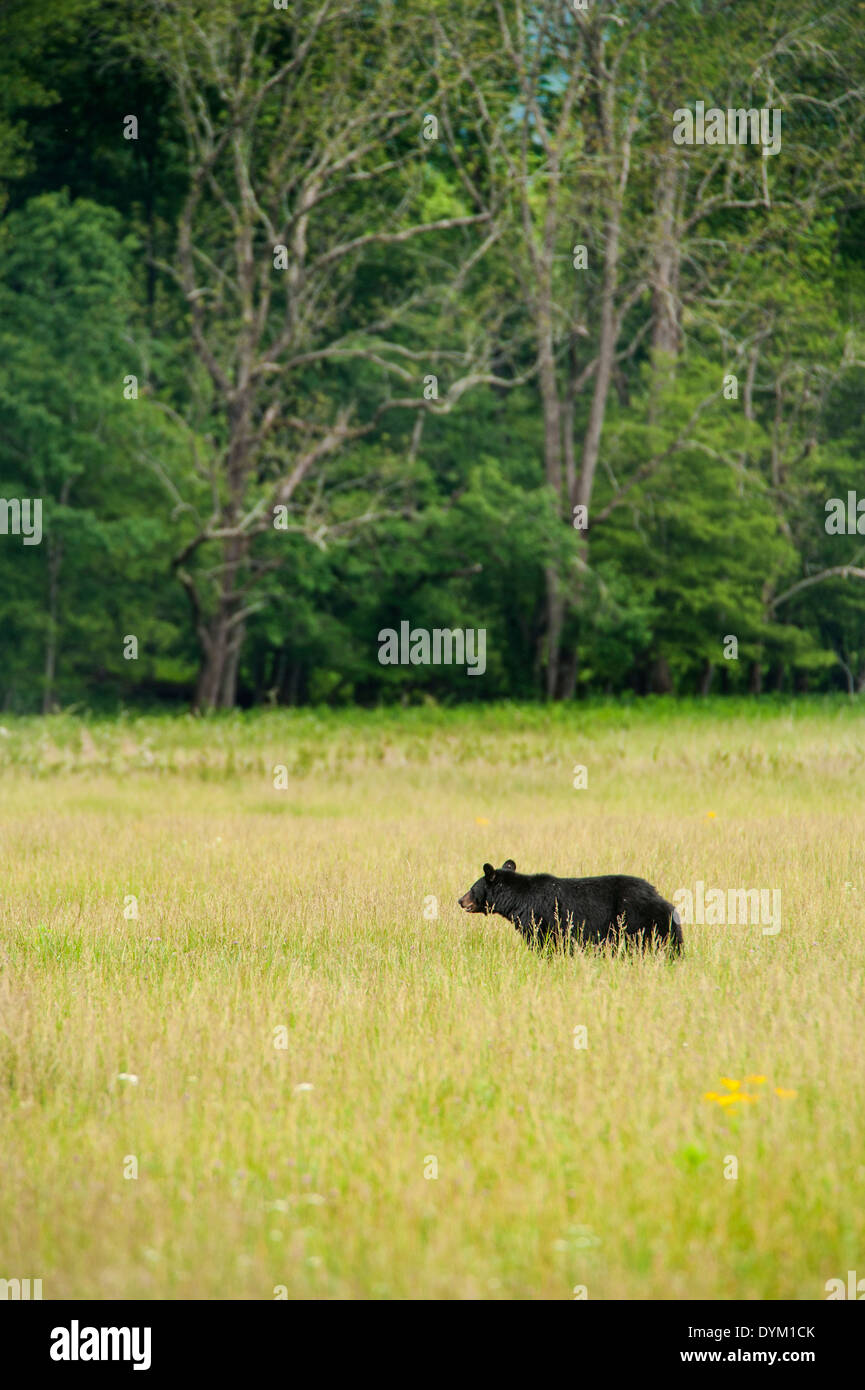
(55, 556)
(55, 560)
(662, 681)
(707, 677)
(232, 663)
(755, 680)
(552, 420)
(216, 687)
(665, 276)
(603, 375)
(212, 671)
(568, 675)
(555, 622)
(665, 268)
(221, 634)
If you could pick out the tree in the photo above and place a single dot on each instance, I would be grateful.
(304, 129)
(577, 128)
(66, 432)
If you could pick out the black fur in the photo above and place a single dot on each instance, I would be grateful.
(569, 910)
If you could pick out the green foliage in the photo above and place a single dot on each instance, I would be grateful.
(69, 438)
(695, 532)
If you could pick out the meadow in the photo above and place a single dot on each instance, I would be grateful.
(250, 1047)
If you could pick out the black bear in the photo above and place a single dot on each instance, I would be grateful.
(587, 910)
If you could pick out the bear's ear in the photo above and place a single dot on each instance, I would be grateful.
(489, 873)
(509, 864)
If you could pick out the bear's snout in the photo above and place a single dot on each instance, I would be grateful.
(467, 902)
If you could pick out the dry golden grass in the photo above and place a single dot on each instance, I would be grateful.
(426, 1038)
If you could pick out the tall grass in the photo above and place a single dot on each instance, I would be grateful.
(426, 1042)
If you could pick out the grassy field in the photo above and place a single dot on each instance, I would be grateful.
(288, 1042)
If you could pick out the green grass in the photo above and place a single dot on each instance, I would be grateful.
(426, 1038)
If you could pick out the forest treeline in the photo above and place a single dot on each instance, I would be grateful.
(320, 317)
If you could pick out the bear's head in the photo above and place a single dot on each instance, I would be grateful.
(481, 896)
